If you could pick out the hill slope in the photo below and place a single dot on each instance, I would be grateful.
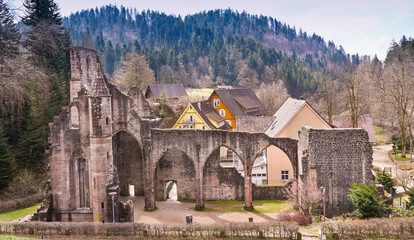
(221, 47)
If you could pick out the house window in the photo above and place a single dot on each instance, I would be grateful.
(202, 127)
(254, 174)
(216, 103)
(191, 108)
(179, 126)
(285, 175)
(191, 118)
(222, 112)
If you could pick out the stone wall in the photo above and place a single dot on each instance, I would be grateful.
(264, 192)
(335, 158)
(221, 183)
(175, 166)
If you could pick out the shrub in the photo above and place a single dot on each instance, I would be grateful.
(410, 193)
(25, 184)
(298, 217)
(400, 228)
(367, 201)
(387, 181)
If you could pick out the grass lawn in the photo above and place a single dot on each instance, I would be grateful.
(199, 94)
(9, 237)
(398, 157)
(261, 206)
(10, 216)
(380, 135)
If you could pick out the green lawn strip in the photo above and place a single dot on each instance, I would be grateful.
(380, 136)
(397, 157)
(10, 237)
(260, 206)
(10, 216)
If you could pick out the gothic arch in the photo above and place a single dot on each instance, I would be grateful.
(175, 165)
(129, 161)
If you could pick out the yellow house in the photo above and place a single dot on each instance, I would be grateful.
(201, 115)
(288, 121)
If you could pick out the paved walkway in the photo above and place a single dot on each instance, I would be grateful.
(174, 212)
(381, 158)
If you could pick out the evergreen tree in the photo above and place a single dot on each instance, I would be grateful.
(385, 180)
(5, 161)
(9, 35)
(47, 42)
(41, 10)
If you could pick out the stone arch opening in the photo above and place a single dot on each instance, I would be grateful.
(177, 167)
(275, 164)
(222, 183)
(171, 190)
(74, 117)
(128, 159)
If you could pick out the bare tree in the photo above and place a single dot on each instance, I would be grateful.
(305, 194)
(273, 95)
(328, 90)
(399, 70)
(135, 72)
(353, 87)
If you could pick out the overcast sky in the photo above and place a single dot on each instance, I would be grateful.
(360, 26)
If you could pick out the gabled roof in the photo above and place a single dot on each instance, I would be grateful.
(241, 102)
(257, 124)
(364, 121)
(285, 114)
(172, 90)
(207, 112)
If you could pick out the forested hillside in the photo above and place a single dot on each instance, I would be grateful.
(221, 47)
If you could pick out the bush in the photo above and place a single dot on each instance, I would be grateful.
(367, 201)
(387, 181)
(25, 184)
(410, 193)
(298, 217)
(278, 230)
(400, 228)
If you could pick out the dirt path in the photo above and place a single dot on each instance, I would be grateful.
(174, 212)
(381, 158)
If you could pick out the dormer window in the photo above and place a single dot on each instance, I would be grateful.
(222, 112)
(216, 103)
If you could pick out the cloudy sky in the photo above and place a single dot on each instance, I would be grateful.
(366, 27)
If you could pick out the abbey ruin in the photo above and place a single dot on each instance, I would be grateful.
(107, 142)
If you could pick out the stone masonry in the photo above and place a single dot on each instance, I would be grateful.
(334, 158)
(108, 142)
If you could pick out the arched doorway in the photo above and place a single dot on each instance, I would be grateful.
(175, 168)
(128, 160)
(221, 182)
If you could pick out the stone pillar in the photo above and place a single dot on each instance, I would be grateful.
(248, 187)
(149, 175)
(199, 181)
(149, 191)
(101, 159)
(199, 189)
(100, 151)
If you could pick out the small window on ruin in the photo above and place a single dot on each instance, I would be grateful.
(74, 117)
(107, 155)
(107, 121)
(88, 65)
